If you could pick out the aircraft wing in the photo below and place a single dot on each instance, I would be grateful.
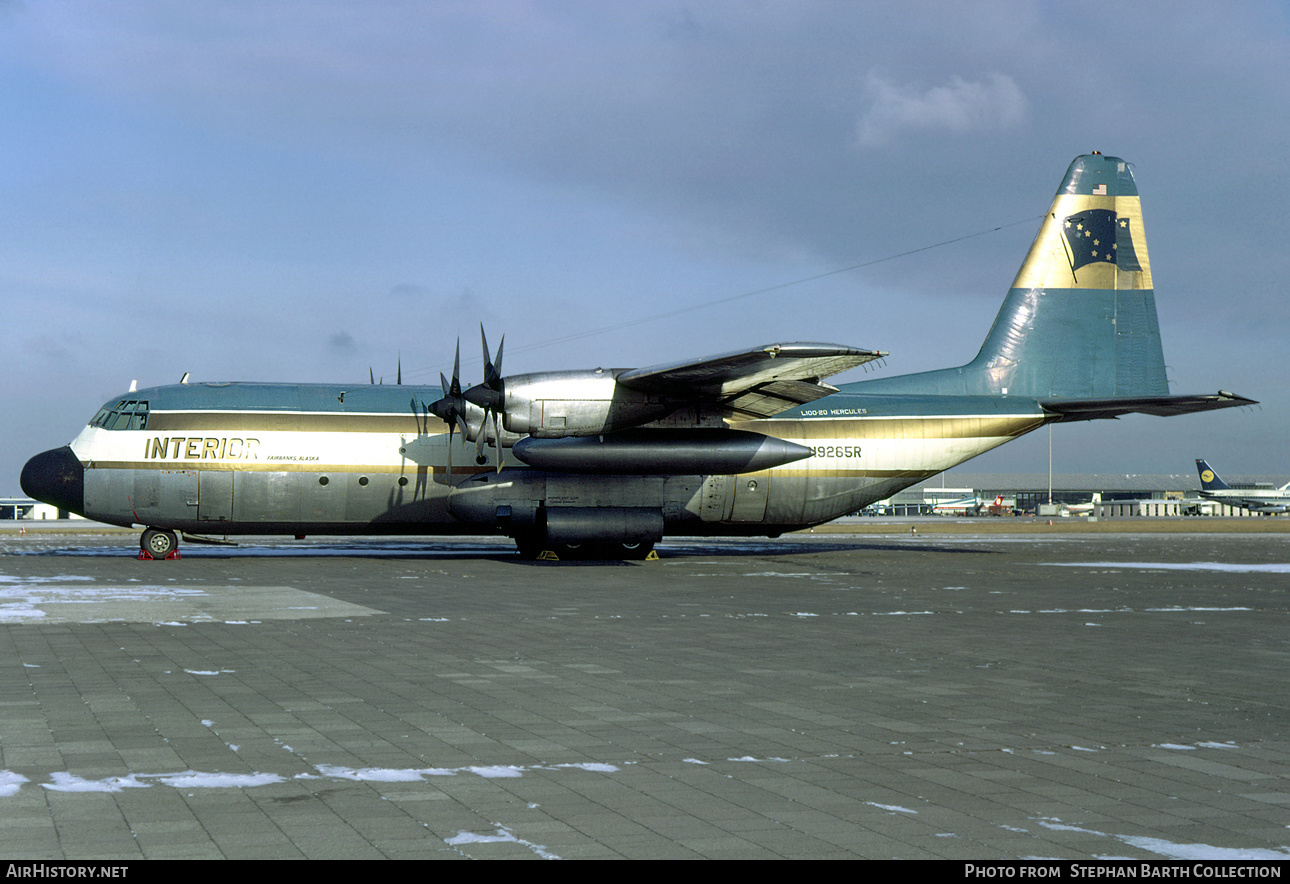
(756, 383)
(1162, 406)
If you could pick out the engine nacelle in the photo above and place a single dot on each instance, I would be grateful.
(477, 422)
(552, 405)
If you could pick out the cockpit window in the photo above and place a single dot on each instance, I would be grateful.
(127, 414)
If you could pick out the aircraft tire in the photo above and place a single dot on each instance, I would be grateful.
(532, 547)
(528, 546)
(158, 542)
(636, 551)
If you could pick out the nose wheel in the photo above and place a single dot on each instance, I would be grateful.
(158, 543)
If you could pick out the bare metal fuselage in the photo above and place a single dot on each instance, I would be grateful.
(381, 467)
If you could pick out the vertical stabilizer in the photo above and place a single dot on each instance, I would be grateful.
(1209, 480)
(1080, 318)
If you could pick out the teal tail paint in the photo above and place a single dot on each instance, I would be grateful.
(1079, 321)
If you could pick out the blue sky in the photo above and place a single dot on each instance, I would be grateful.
(298, 191)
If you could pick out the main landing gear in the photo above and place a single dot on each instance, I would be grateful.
(530, 548)
(158, 543)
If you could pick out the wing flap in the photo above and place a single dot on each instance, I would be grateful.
(768, 400)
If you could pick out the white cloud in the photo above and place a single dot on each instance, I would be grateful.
(959, 107)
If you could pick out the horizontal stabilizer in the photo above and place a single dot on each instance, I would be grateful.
(1161, 406)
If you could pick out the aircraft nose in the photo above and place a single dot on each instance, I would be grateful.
(57, 478)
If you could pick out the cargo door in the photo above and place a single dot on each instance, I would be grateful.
(164, 496)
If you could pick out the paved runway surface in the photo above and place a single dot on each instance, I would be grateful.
(972, 696)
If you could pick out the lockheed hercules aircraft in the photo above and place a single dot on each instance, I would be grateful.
(613, 460)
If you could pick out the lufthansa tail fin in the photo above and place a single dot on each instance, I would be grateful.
(1209, 480)
(1078, 328)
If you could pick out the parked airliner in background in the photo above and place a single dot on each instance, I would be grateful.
(1256, 500)
(748, 443)
(1084, 509)
(964, 506)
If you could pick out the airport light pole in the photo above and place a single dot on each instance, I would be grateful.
(1050, 464)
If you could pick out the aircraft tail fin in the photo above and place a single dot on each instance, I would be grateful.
(1209, 480)
(1079, 321)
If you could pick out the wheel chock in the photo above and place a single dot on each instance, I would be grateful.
(145, 556)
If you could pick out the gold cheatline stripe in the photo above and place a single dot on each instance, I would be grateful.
(235, 466)
(214, 466)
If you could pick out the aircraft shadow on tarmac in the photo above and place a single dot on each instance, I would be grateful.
(385, 549)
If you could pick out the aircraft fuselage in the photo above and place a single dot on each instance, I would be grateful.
(318, 459)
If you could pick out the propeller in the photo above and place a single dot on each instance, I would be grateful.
(489, 396)
(451, 409)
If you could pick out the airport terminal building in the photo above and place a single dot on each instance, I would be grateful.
(1111, 495)
(28, 509)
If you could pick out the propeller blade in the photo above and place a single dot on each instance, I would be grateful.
(497, 436)
(451, 426)
(492, 367)
(489, 394)
(451, 408)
